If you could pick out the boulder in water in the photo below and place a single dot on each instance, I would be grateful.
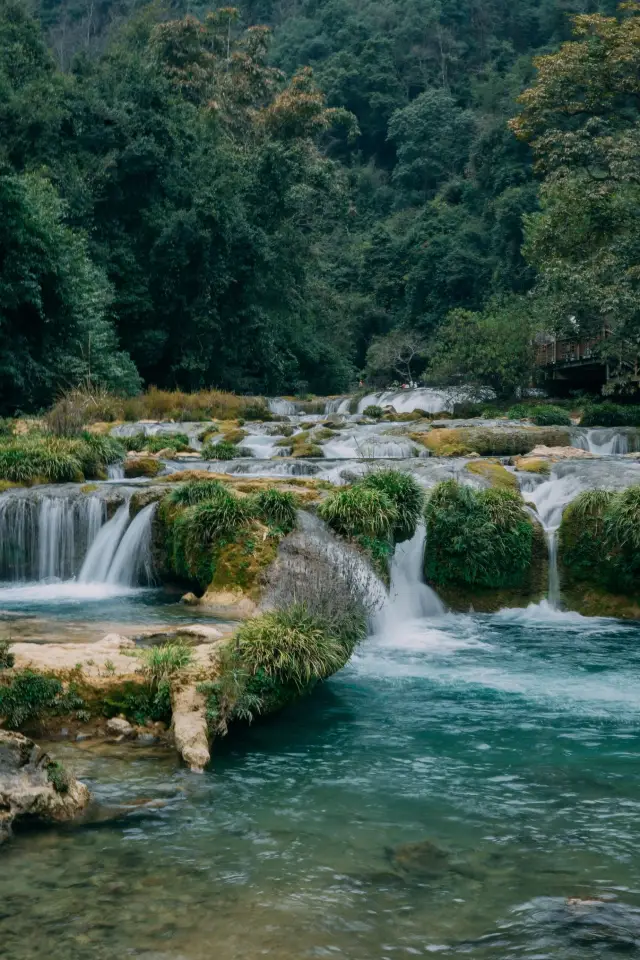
(33, 787)
(561, 453)
(421, 860)
(120, 727)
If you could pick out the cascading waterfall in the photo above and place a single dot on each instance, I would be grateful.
(409, 596)
(338, 405)
(58, 538)
(132, 562)
(101, 553)
(604, 442)
(282, 408)
(45, 537)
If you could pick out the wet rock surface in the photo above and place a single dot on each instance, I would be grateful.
(33, 787)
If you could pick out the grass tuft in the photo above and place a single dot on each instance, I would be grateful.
(289, 645)
(405, 493)
(276, 508)
(360, 511)
(196, 491)
(224, 451)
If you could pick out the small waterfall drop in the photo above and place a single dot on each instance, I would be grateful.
(100, 556)
(62, 541)
(132, 562)
(409, 596)
(338, 405)
(550, 498)
(115, 471)
(282, 408)
(603, 442)
(45, 537)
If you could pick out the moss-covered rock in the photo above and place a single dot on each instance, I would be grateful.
(483, 549)
(211, 538)
(307, 450)
(141, 467)
(599, 553)
(532, 465)
(487, 441)
(494, 473)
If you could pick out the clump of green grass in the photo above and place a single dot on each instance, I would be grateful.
(360, 511)
(277, 508)
(273, 658)
(222, 514)
(7, 659)
(196, 532)
(196, 491)
(478, 538)
(373, 411)
(58, 776)
(224, 451)
(154, 443)
(38, 457)
(622, 521)
(405, 493)
(160, 664)
(29, 696)
(26, 461)
(104, 449)
(289, 645)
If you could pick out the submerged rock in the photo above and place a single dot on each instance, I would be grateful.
(422, 859)
(33, 787)
(425, 860)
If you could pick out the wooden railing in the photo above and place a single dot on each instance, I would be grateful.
(567, 351)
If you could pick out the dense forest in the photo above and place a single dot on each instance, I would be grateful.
(276, 197)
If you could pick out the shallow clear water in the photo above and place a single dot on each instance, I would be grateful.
(67, 611)
(508, 742)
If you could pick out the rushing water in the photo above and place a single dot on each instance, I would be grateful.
(52, 539)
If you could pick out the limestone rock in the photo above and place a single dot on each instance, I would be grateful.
(190, 726)
(119, 727)
(232, 604)
(191, 599)
(561, 453)
(115, 641)
(33, 786)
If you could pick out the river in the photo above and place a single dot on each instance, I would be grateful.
(505, 746)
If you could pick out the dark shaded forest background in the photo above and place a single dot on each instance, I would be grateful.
(182, 203)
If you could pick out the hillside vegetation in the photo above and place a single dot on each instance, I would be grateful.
(275, 198)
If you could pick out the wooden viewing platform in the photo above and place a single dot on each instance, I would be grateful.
(578, 363)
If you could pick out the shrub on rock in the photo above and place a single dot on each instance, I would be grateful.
(477, 538)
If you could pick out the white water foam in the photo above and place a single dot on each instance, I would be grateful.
(63, 591)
